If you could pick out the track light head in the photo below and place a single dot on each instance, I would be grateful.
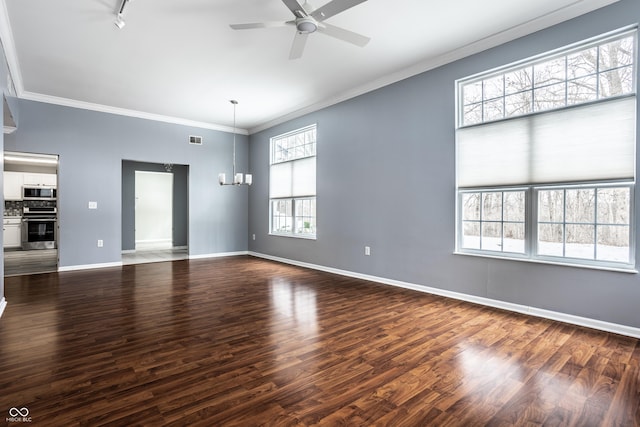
(119, 22)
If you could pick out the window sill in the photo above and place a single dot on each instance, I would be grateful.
(294, 236)
(548, 262)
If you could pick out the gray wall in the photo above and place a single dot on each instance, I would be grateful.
(386, 179)
(180, 201)
(92, 145)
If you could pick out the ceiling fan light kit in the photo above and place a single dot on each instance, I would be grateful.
(306, 25)
(308, 20)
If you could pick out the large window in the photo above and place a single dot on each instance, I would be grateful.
(292, 183)
(546, 156)
(584, 223)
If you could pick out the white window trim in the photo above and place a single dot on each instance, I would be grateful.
(531, 226)
(293, 210)
(545, 56)
(532, 189)
(293, 199)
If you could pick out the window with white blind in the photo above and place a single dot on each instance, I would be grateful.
(292, 183)
(545, 156)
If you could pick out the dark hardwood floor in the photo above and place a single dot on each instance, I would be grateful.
(244, 341)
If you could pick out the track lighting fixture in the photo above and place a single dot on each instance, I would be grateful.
(119, 22)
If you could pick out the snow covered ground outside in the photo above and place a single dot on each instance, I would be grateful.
(572, 250)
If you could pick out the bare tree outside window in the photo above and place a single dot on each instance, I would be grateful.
(494, 221)
(595, 72)
(556, 183)
(588, 223)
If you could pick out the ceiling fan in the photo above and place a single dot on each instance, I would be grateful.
(309, 20)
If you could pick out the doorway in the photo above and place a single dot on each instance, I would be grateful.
(154, 212)
(30, 239)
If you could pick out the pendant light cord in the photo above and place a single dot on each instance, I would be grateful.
(234, 102)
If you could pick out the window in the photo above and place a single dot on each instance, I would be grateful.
(596, 71)
(545, 157)
(493, 220)
(292, 183)
(584, 223)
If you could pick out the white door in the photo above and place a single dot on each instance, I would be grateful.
(154, 210)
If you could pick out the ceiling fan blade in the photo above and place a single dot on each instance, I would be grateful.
(344, 35)
(299, 42)
(253, 25)
(295, 8)
(333, 8)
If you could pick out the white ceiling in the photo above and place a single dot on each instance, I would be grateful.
(179, 61)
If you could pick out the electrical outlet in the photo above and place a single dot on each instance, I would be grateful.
(93, 205)
(367, 250)
(100, 243)
(254, 237)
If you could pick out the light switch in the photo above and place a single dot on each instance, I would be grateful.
(93, 205)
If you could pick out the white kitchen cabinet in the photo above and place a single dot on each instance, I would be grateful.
(51, 179)
(13, 182)
(40, 179)
(12, 228)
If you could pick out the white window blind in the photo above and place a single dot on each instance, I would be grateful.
(295, 178)
(583, 143)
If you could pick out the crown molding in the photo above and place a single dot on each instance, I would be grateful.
(31, 96)
(6, 37)
(575, 9)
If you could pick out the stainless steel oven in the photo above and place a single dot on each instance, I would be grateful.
(39, 228)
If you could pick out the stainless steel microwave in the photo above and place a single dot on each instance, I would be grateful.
(38, 193)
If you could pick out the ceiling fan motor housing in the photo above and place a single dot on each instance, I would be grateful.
(306, 25)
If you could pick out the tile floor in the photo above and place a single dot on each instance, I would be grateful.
(18, 262)
(154, 255)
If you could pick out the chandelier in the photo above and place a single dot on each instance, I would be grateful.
(238, 177)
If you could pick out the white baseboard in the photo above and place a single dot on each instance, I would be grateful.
(90, 266)
(133, 251)
(152, 241)
(3, 304)
(218, 255)
(518, 308)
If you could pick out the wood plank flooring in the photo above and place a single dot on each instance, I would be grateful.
(242, 341)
